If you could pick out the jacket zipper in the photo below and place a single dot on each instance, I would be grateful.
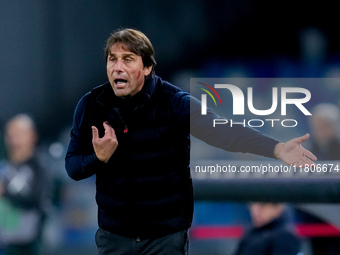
(126, 130)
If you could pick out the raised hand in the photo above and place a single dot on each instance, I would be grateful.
(292, 153)
(104, 147)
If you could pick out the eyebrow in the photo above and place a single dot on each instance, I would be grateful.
(124, 54)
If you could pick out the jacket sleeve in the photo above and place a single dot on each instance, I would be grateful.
(236, 138)
(81, 161)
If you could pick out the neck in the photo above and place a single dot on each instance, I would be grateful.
(20, 156)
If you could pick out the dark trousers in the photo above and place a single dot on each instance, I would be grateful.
(112, 244)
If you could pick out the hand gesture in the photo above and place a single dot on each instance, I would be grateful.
(104, 147)
(292, 153)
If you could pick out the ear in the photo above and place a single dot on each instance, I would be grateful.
(147, 70)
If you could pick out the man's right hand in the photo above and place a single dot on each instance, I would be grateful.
(104, 147)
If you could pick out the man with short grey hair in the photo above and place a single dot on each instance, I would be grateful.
(133, 133)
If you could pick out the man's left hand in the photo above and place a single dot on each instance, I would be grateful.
(292, 153)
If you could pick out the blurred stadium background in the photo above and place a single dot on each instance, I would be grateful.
(52, 53)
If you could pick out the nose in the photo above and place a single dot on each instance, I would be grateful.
(118, 67)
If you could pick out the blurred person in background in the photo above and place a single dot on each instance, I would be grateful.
(325, 144)
(133, 133)
(270, 233)
(23, 189)
(325, 128)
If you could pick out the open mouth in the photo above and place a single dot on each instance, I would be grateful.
(120, 82)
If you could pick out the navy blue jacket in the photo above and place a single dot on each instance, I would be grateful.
(145, 189)
(274, 238)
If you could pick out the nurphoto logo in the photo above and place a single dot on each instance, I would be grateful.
(289, 96)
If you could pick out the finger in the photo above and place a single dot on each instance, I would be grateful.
(302, 139)
(95, 134)
(107, 127)
(309, 155)
(107, 123)
(307, 162)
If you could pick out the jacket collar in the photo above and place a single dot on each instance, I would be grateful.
(281, 221)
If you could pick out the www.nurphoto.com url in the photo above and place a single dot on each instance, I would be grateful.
(268, 168)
